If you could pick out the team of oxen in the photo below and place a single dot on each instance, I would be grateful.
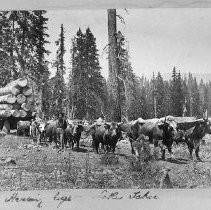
(160, 132)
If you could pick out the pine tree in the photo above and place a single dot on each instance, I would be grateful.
(160, 95)
(59, 89)
(126, 76)
(180, 96)
(177, 96)
(139, 107)
(174, 92)
(190, 98)
(186, 105)
(94, 86)
(206, 98)
(88, 93)
(6, 66)
(201, 88)
(209, 97)
(167, 99)
(196, 100)
(40, 74)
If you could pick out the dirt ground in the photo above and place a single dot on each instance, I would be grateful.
(25, 166)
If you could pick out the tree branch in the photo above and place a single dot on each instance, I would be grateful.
(121, 19)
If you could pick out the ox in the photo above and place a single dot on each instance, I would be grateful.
(194, 132)
(156, 129)
(107, 134)
(23, 128)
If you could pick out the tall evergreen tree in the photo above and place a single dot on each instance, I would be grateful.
(88, 93)
(177, 98)
(94, 94)
(190, 98)
(59, 89)
(180, 96)
(40, 74)
(196, 99)
(160, 95)
(186, 105)
(174, 92)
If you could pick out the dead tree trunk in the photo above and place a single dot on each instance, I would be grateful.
(114, 89)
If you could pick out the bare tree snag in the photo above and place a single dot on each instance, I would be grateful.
(114, 91)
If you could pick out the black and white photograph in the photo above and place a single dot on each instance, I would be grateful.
(105, 99)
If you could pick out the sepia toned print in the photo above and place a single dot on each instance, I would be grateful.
(104, 99)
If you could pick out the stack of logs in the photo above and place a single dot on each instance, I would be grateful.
(16, 99)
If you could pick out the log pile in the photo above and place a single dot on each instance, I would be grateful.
(16, 99)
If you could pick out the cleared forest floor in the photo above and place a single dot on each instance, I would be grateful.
(42, 167)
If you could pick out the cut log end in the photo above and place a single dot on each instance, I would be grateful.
(8, 99)
(23, 113)
(6, 106)
(15, 113)
(27, 91)
(29, 99)
(16, 106)
(21, 98)
(5, 113)
(9, 90)
(22, 82)
(26, 107)
(18, 83)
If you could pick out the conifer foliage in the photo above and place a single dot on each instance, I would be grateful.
(58, 84)
(87, 83)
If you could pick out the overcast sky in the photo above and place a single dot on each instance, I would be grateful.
(159, 39)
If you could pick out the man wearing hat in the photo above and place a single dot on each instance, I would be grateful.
(61, 126)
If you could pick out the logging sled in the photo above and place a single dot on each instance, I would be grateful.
(15, 104)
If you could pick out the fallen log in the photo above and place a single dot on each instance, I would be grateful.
(15, 113)
(8, 99)
(5, 113)
(23, 113)
(18, 82)
(21, 98)
(27, 91)
(9, 90)
(26, 107)
(6, 106)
